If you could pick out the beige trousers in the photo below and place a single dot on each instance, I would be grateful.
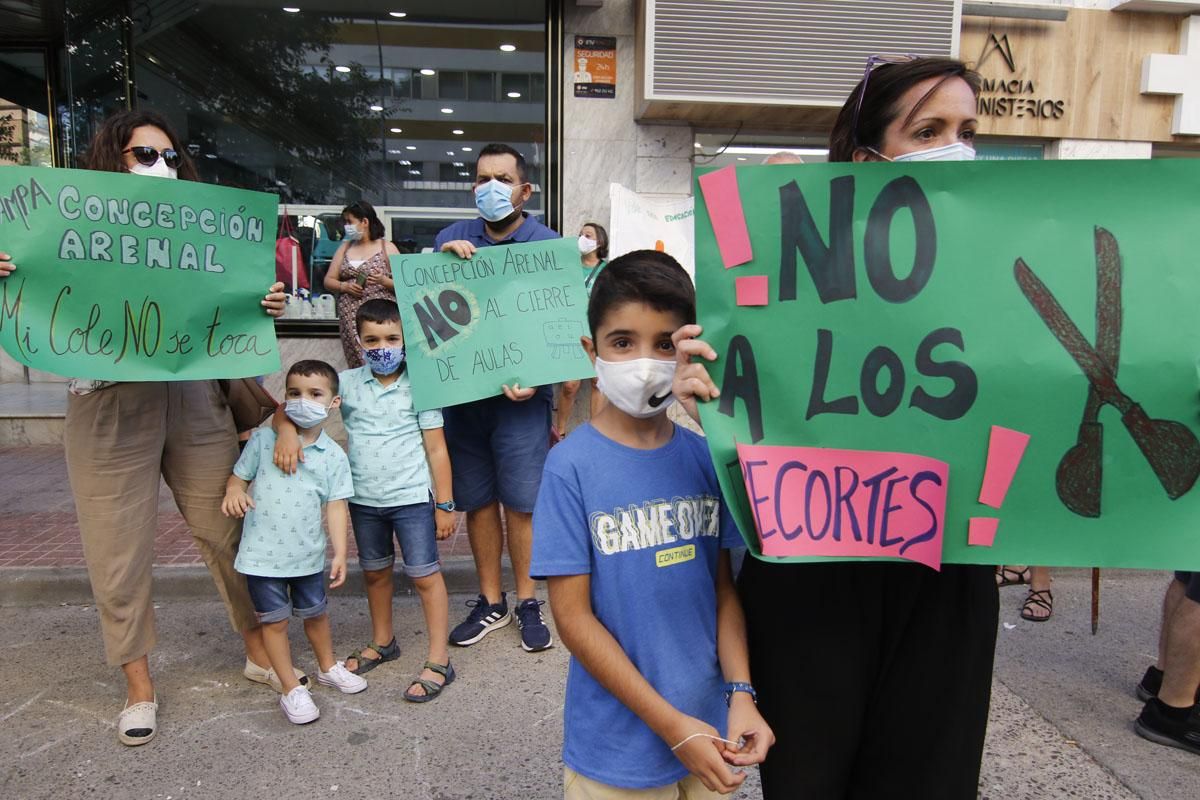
(118, 441)
(577, 787)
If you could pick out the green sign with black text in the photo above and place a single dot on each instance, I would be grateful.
(129, 278)
(968, 362)
(510, 314)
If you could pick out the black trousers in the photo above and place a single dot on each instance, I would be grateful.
(876, 677)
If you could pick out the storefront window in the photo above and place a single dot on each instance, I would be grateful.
(25, 135)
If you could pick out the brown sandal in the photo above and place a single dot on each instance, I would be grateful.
(1007, 576)
(1041, 598)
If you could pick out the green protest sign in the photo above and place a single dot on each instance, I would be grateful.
(511, 314)
(128, 278)
(971, 363)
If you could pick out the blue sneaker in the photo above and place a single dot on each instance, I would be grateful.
(483, 619)
(534, 633)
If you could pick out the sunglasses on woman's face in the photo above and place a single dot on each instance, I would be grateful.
(148, 156)
(873, 62)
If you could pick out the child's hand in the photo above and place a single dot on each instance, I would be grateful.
(702, 755)
(747, 724)
(288, 452)
(236, 503)
(446, 523)
(692, 381)
(518, 394)
(337, 572)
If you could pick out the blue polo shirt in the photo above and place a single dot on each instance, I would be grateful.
(475, 232)
(387, 450)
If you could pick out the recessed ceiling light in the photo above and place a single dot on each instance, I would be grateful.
(429, 71)
(449, 152)
(741, 158)
(698, 145)
(291, 10)
(514, 95)
(459, 164)
(410, 147)
(447, 110)
(414, 172)
(466, 149)
(341, 68)
(395, 151)
(210, 155)
(397, 130)
(406, 162)
(377, 108)
(508, 48)
(457, 132)
(398, 14)
(465, 173)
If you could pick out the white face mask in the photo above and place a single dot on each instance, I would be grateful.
(587, 245)
(959, 151)
(158, 169)
(641, 387)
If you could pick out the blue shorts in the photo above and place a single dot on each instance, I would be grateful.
(413, 526)
(497, 450)
(1191, 583)
(275, 599)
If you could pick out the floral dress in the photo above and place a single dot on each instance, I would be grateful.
(347, 304)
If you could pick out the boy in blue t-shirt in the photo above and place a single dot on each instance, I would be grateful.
(631, 533)
(282, 552)
(398, 459)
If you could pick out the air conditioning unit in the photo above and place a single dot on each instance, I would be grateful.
(698, 56)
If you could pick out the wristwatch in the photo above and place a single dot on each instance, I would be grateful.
(446, 506)
(730, 688)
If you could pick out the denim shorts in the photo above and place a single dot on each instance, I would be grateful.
(497, 450)
(275, 599)
(413, 526)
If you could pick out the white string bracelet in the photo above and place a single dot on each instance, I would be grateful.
(700, 733)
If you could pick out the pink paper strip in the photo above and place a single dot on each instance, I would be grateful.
(812, 501)
(1005, 449)
(981, 531)
(752, 290)
(720, 190)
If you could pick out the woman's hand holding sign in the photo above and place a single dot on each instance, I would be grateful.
(6, 265)
(273, 303)
(692, 381)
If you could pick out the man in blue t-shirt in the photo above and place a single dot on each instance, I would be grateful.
(498, 445)
(631, 532)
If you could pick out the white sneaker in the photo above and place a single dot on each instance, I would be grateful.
(342, 679)
(138, 723)
(298, 705)
(254, 672)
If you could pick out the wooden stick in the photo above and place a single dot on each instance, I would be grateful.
(1095, 599)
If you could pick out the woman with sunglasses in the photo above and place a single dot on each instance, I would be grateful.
(876, 677)
(121, 436)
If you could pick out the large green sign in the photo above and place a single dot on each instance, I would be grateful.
(129, 278)
(511, 314)
(971, 363)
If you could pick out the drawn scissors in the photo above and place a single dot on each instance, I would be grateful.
(1170, 448)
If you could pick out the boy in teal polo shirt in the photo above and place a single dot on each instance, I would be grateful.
(398, 458)
(282, 552)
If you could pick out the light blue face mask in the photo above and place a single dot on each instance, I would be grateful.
(494, 200)
(304, 412)
(959, 151)
(351, 232)
(384, 360)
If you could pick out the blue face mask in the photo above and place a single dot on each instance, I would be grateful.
(304, 412)
(494, 200)
(351, 232)
(384, 360)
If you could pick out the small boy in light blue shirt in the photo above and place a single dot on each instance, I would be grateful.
(282, 552)
(399, 462)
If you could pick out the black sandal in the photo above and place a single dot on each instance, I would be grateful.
(1041, 598)
(389, 652)
(1013, 577)
(432, 689)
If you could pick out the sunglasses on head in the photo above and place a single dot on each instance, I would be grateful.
(148, 156)
(872, 63)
